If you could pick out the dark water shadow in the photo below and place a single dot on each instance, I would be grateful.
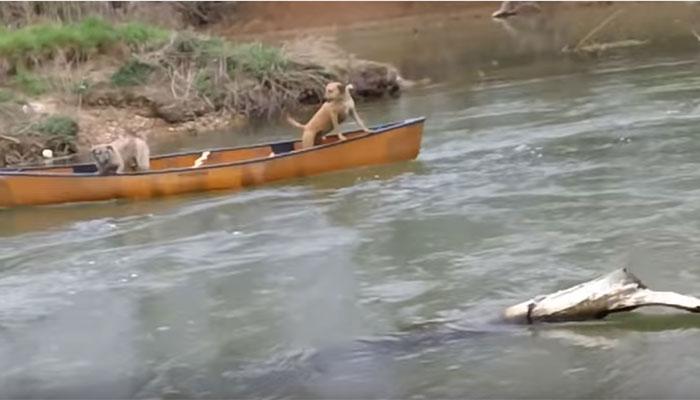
(634, 322)
(23, 220)
(367, 367)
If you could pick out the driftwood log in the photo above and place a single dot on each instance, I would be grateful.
(616, 292)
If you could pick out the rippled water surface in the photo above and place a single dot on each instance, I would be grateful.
(314, 288)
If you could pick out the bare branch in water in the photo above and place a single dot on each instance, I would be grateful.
(695, 34)
(597, 28)
(616, 292)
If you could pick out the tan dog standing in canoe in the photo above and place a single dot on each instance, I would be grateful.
(122, 154)
(338, 105)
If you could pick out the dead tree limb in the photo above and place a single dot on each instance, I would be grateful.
(10, 138)
(616, 292)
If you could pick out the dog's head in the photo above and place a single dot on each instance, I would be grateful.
(102, 153)
(334, 91)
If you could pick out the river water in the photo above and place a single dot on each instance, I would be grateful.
(539, 176)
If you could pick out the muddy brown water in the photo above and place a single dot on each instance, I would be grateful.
(542, 174)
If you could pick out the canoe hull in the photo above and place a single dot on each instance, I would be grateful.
(399, 143)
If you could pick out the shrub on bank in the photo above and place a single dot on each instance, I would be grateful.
(30, 83)
(253, 79)
(131, 74)
(6, 95)
(186, 74)
(57, 125)
(34, 44)
(26, 135)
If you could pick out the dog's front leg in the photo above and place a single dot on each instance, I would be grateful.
(120, 164)
(336, 126)
(357, 119)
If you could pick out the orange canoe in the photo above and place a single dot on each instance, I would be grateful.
(227, 168)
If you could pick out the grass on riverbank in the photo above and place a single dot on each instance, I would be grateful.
(33, 45)
(177, 73)
(252, 79)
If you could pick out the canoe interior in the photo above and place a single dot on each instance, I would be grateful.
(216, 157)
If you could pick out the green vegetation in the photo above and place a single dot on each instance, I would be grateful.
(6, 95)
(200, 49)
(253, 79)
(186, 73)
(254, 58)
(57, 125)
(137, 34)
(205, 84)
(30, 83)
(35, 43)
(257, 59)
(132, 73)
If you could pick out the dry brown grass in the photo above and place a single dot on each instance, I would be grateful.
(251, 79)
(171, 15)
(24, 136)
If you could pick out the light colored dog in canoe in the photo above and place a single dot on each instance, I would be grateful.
(124, 153)
(338, 105)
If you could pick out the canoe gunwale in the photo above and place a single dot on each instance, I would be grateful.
(377, 130)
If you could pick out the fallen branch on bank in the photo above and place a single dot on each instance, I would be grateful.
(9, 138)
(616, 292)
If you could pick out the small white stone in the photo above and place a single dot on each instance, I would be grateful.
(47, 153)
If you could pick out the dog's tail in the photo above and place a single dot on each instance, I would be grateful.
(294, 122)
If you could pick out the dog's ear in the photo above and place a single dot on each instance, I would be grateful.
(341, 87)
